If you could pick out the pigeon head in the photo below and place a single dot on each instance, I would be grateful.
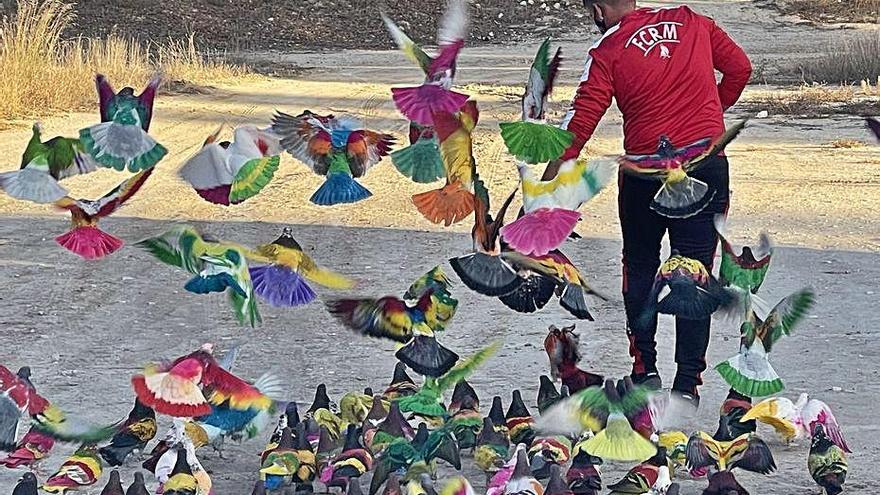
(28, 479)
(665, 147)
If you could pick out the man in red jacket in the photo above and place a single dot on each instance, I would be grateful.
(659, 65)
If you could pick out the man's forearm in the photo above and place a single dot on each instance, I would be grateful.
(731, 87)
(551, 170)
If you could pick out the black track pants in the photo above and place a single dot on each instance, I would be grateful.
(694, 237)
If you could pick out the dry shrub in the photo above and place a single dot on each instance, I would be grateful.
(834, 10)
(847, 143)
(813, 100)
(180, 60)
(43, 73)
(851, 59)
(869, 89)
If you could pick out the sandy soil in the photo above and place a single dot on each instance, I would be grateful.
(86, 327)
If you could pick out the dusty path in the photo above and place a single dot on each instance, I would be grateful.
(85, 327)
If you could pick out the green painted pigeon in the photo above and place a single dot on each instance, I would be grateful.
(531, 139)
(121, 141)
(750, 372)
(217, 266)
(43, 164)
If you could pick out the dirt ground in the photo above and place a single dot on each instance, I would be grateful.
(86, 327)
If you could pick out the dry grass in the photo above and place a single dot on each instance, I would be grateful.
(847, 143)
(853, 58)
(869, 89)
(834, 10)
(43, 73)
(845, 80)
(815, 100)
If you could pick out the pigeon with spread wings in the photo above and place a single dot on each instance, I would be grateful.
(282, 282)
(421, 160)
(693, 293)
(531, 139)
(544, 276)
(533, 293)
(797, 420)
(421, 103)
(435, 281)
(191, 384)
(750, 372)
(394, 319)
(226, 421)
(746, 452)
(484, 270)
(121, 141)
(43, 164)
(227, 173)
(551, 207)
(680, 196)
(604, 411)
(338, 148)
(745, 271)
(85, 238)
(217, 266)
(455, 200)
(19, 397)
(428, 402)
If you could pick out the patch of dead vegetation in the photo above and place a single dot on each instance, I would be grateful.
(817, 100)
(832, 10)
(847, 143)
(43, 73)
(855, 57)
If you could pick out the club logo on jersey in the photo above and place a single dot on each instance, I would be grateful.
(655, 35)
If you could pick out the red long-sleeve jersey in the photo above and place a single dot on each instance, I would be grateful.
(659, 64)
